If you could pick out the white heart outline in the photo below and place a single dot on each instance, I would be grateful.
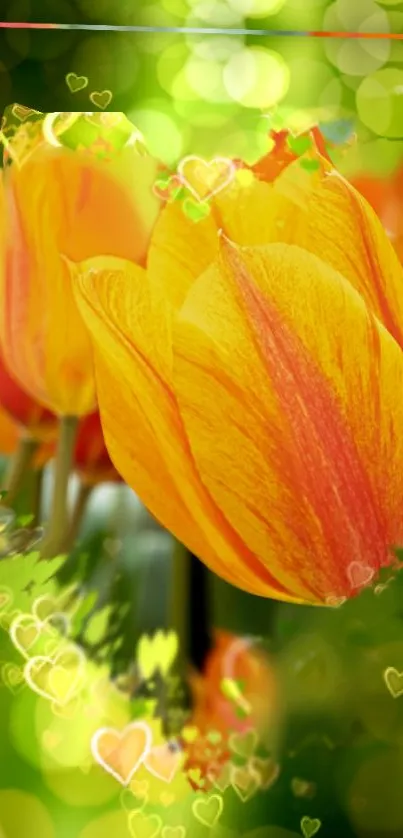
(136, 725)
(191, 158)
(36, 622)
(59, 615)
(32, 662)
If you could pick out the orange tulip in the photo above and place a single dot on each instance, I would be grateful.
(248, 392)
(91, 459)
(62, 204)
(9, 434)
(257, 708)
(39, 422)
(235, 659)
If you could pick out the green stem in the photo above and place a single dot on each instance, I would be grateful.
(19, 466)
(80, 506)
(37, 497)
(179, 602)
(57, 527)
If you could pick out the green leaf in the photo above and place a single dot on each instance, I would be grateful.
(28, 578)
(97, 625)
(196, 211)
(310, 165)
(24, 520)
(299, 145)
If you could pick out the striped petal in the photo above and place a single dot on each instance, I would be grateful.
(130, 326)
(327, 216)
(319, 211)
(287, 384)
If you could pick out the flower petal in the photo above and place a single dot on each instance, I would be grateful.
(181, 250)
(287, 386)
(62, 203)
(326, 215)
(130, 325)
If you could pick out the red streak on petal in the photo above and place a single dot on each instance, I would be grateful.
(322, 461)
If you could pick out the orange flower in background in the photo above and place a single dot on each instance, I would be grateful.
(39, 422)
(217, 717)
(235, 659)
(9, 433)
(91, 459)
(261, 387)
(60, 204)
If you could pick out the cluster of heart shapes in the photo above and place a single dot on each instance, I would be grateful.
(122, 753)
(207, 811)
(99, 98)
(58, 674)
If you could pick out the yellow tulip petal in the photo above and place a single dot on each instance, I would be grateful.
(180, 250)
(130, 326)
(288, 388)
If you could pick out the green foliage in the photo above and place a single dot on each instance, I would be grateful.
(27, 578)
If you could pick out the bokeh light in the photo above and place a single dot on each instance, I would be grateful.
(380, 102)
(162, 135)
(206, 78)
(256, 8)
(111, 62)
(257, 78)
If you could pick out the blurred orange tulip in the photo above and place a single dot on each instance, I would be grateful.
(237, 660)
(255, 707)
(91, 459)
(9, 433)
(61, 204)
(261, 387)
(39, 422)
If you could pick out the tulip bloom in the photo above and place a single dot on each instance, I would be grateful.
(61, 204)
(261, 386)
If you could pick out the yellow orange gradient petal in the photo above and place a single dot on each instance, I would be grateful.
(318, 211)
(65, 204)
(180, 250)
(130, 326)
(287, 385)
(326, 215)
